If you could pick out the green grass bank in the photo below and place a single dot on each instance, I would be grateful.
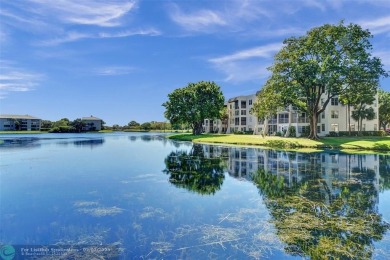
(341, 143)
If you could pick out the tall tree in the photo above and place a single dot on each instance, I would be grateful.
(384, 108)
(362, 112)
(193, 104)
(316, 66)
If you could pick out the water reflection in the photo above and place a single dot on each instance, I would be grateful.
(195, 171)
(323, 205)
(89, 143)
(22, 142)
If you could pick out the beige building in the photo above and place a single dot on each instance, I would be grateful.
(92, 123)
(19, 122)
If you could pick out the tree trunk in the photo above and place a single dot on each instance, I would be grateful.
(313, 127)
(349, 118)
(197, 129)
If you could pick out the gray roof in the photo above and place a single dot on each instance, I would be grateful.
(8, 116)
(91, 118)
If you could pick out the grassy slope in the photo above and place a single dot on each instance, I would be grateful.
(361, 143)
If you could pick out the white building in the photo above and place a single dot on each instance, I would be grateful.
(19, 122)
(335, 118)
(92, 123)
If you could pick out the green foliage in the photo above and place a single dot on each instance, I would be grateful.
(193, 104)
(384, 108)
(328, 61)
(146, 126)
(133, 124)
(315, 223)
(293, 131)
(194, 171)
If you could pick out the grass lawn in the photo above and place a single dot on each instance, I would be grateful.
(343, 143)
(22, 132)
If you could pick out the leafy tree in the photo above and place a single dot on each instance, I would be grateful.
(46, 124)
(146, 126)
(316, 66)
(116, 127)
(62, 122)
(193, 104)
(384, 108)
(78, 125)
(267, 103)
(133, 124)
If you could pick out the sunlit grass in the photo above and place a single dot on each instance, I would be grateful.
(361, 143)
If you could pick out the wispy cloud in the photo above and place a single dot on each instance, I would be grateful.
(113, 71)
(87, 12)
(16, 79)
(258, 52)
(76, 36)
(377, 26)
(249, 64)
(198, 20)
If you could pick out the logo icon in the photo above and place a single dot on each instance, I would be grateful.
(7, 252)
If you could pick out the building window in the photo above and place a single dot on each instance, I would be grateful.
(243, 112)
(334, 114)
(250, 101)
(318, 129)
(323, 127)
(334, 101)
(323, 115)
(243, 120)
(334, 127)
(237, 121)
(237, 112)
(352, 126)
(283, 118)
(243, 104)
(322, 101)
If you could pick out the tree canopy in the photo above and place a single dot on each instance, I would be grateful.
(193, 104)
(384, 108)
(326, 62)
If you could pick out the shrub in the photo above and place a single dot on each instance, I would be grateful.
(293, 131)
(278, 134)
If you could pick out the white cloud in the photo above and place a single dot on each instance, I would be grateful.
(258, 52)
(128, 33)
(16, 79)
(69, 37)
(377, 26)
(245, 65)
(114, 71)
(86, 12)
(198, 20)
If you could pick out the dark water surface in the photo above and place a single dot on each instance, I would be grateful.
(153, 198)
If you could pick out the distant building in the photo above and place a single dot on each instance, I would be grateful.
(92, 123)
(19, 122)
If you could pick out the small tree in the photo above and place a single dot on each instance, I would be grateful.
(361, 113)
(384, 108)
(193, 104)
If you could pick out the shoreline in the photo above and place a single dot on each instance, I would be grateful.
(344, 144)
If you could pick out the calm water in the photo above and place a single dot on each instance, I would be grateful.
(157, 199)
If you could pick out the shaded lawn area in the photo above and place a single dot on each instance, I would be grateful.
(361, 143)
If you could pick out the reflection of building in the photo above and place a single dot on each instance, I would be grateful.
(19, 122)
(295, 167)
(92, 123)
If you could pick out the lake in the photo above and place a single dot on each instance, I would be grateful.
(142, 196)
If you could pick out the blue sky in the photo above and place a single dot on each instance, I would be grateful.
(118, 60)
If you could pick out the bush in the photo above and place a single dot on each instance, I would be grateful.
(278, 134)
(293, 131)
(356, 133)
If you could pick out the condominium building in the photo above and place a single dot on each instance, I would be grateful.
(19, 122)
(335, 118)
(92, 123)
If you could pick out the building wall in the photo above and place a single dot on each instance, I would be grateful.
(92, 125)
(240, 118)
(26, 124)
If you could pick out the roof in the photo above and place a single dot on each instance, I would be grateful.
(7, 116)
(91, 118)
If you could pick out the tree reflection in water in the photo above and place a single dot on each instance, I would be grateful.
(326, 218)
(194, 171)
